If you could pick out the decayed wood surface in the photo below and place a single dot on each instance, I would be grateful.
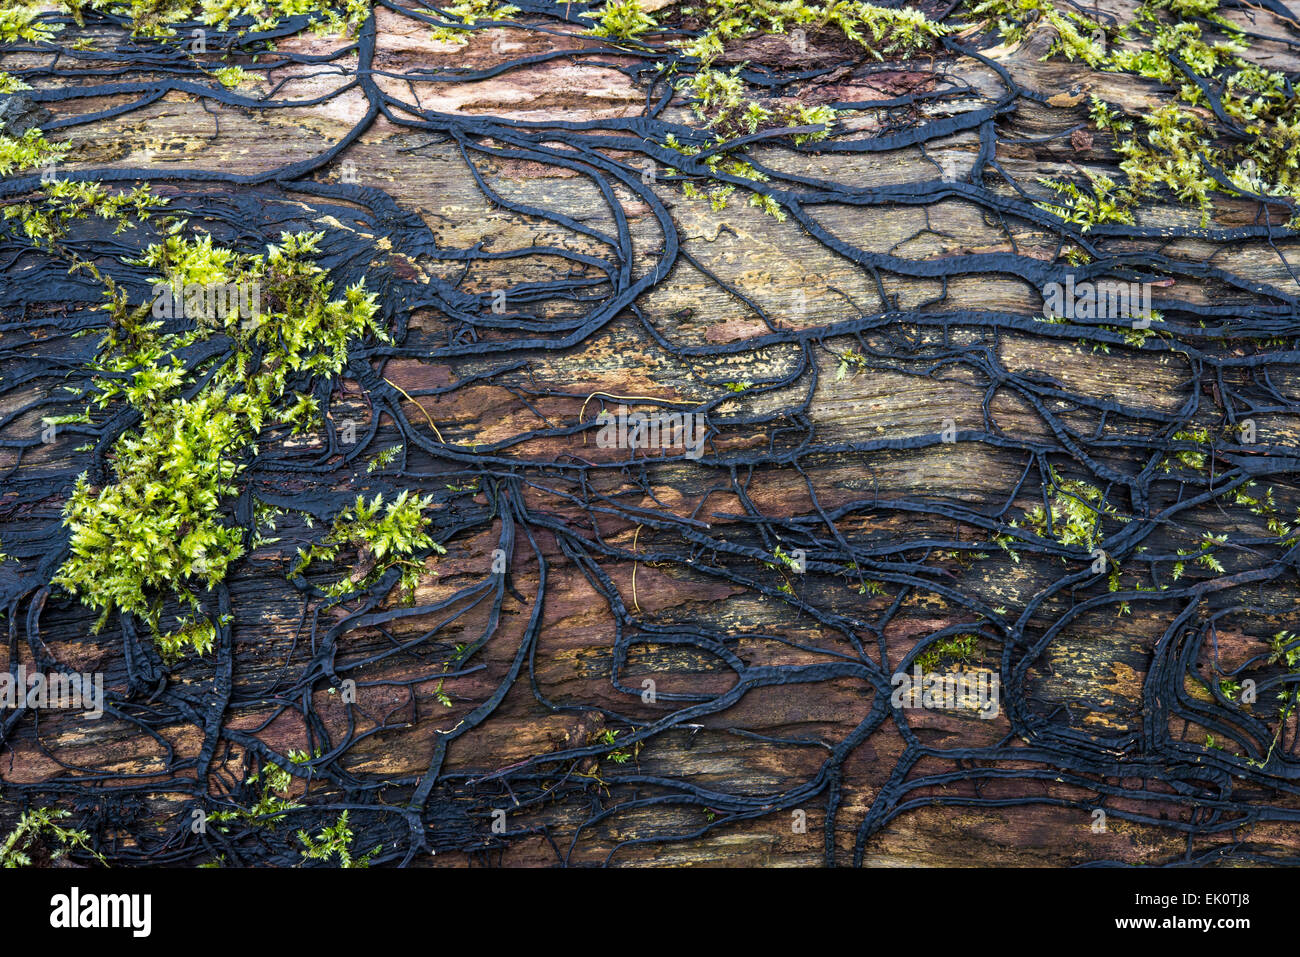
(1096, 669)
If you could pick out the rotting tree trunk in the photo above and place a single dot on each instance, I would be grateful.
(559, 684)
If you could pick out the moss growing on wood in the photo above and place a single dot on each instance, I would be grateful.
(1246, 142)
(467, 13)
(622, 20)
(160, 18)
(161, 529)
(382, 538)
(39, 827)
(335, 842)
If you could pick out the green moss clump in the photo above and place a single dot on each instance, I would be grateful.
(719, 98)
(622, 20)
(41, 824)
(1099, 201)
(881, 31)
(45, 221)
(1074, 515)
(22, 21)
(1192, 458)
(158, 18)
(335, 841)
(160, 528)
(1011, 17)
(1182, 148)
(470, 12)
(27, 152)
(11, 84)
(957, 648)
(273, 801)
(382, 538)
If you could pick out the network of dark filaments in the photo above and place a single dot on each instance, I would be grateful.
(869, 559)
